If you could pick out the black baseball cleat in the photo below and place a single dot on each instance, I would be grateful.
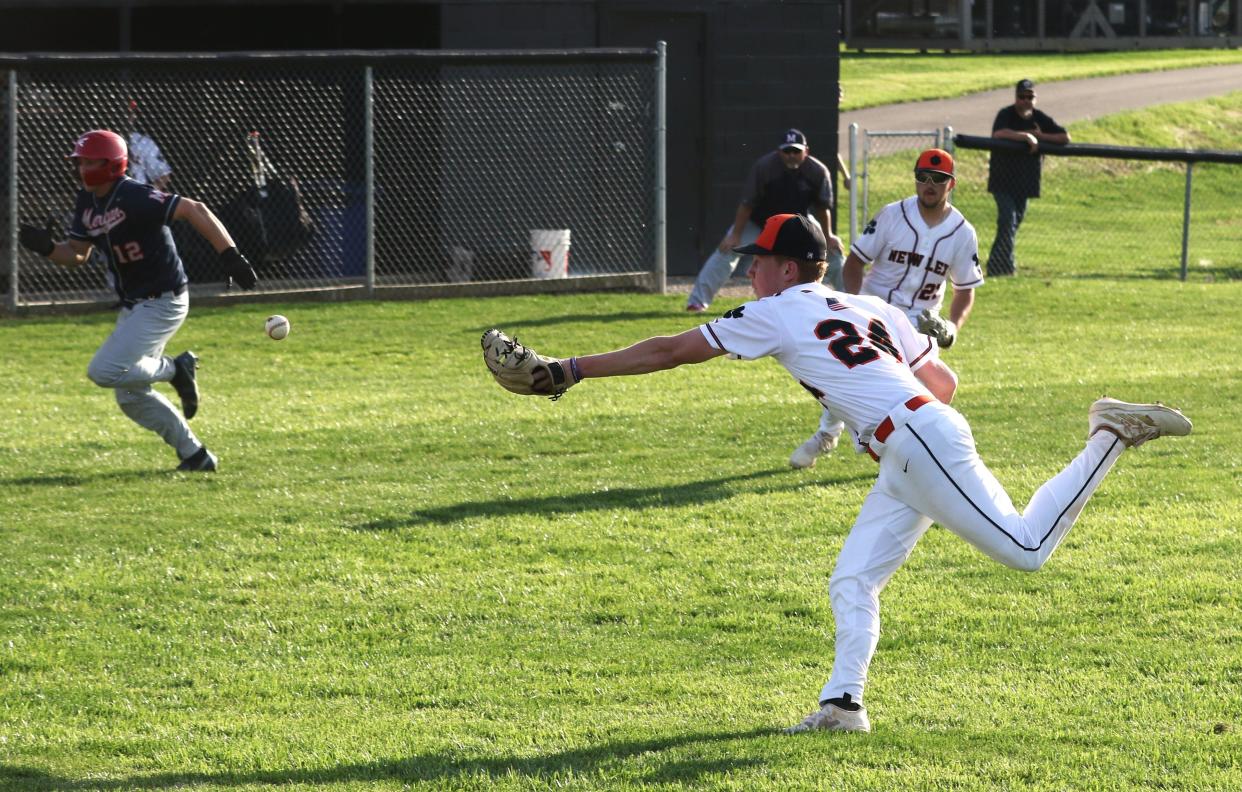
(201, 461)
(183, 381)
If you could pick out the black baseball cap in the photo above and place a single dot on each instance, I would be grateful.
(794, 139)
(792, 235)
(1024, 85)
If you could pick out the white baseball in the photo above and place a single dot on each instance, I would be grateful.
(277, 327)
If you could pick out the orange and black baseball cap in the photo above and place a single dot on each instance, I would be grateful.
(792, 235)
(935, 160)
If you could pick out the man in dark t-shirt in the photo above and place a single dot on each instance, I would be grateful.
(787, 180)
(1013, 177)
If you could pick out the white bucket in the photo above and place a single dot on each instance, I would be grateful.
(549, 256)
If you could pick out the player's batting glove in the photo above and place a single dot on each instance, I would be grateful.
(524, 371)
(237, 268)
(939, 328)
(37, 239)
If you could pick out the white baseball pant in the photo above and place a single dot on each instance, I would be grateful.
(132, 358)
(930, 471)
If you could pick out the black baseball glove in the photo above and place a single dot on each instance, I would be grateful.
(37, 239)
(237, 268)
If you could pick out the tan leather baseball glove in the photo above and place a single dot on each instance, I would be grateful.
(522, 370)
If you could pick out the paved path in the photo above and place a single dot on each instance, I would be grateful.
(1067, 101)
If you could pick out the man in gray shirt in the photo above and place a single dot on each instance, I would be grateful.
(787, 180)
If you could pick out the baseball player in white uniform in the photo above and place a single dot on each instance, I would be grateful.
(913, 247)
(861, 358)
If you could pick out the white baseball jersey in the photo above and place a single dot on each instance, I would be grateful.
(855, 354)
(146, 162)
(909, 261)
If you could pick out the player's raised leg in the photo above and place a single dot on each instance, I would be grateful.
(933, 466)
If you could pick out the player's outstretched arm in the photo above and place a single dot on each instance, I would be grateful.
(654, 354)
(70, 253)
(205, 223)
(520, 369)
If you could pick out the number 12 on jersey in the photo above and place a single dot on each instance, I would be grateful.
(131, 251)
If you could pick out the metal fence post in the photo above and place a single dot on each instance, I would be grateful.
(1190, 166)
(661, 179)
(368, 156)
(853, 182)
(866, 172)
(10, 112)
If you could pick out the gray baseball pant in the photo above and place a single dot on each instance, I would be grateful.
(133, 358)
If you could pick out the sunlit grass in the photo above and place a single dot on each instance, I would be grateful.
(402, 575)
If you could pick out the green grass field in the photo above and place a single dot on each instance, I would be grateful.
(878, 78)
(404, 577)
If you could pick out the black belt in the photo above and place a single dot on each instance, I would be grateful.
(130, 302)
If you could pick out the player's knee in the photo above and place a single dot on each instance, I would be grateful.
(1027, 561)
(103, 374)
(847, 589)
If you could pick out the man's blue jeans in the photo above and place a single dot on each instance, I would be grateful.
(1010, 209)
(719, 267)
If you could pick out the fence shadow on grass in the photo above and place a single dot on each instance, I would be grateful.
(78, 479)
(434, 767)
(685, 494)
(508, 324)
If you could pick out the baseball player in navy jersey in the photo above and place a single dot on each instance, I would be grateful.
(861, 358)
(913, 247)
(128, 222)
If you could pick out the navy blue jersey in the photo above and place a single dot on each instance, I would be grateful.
(129, 226)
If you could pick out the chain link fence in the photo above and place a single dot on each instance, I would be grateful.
(876, 161)
(1115, 212)
(1103, 211)
(359, 171)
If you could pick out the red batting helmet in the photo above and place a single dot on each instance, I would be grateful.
(104, 145)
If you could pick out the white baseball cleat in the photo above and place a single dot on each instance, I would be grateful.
(830, 717)
(820, 443)
(1135, 424)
